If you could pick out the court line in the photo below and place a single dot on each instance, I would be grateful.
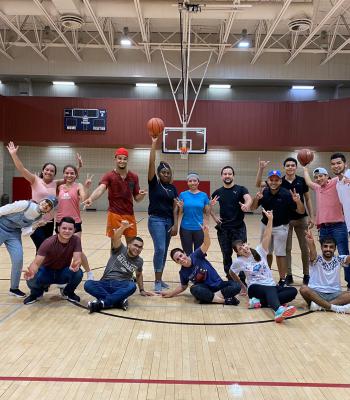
(175, 382)
(192, 323)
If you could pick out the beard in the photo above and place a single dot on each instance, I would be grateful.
(228, 181)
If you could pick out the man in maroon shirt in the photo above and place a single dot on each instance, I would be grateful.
(123, 187)
(58, 261)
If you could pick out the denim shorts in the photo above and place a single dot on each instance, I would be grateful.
(328, 296)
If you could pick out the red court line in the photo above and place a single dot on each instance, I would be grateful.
(174, 382)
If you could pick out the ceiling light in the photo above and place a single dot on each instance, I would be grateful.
(67, 83)
(0, 82)
(125, 40)
(146, 84)
(222, 86)
(303, 87)
(244, 44)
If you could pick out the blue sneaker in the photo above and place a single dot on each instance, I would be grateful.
(164, 285)
(284, 312)
(254, 303)
(157, 286)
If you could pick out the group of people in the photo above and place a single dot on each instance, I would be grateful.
(286, 206)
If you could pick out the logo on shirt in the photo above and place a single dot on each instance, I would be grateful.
(127, 266)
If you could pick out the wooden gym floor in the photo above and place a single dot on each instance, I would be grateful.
(166, 348)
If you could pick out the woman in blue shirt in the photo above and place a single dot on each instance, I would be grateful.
(194, 207)
(162, 211)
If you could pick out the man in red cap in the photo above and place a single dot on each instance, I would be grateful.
(123, 187)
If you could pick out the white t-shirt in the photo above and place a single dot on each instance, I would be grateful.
(257, 272)
(343, 190)
(324, 275)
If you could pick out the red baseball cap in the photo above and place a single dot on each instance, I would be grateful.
(121, 152)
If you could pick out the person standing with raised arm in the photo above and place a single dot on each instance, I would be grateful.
(123, 187)
(299, 222)
(162, 211)
(42, 186)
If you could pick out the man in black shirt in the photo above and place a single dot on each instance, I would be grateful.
(234, 201)
(299, 222)
(283, 203)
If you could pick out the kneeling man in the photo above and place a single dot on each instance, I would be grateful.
(207, 287)
(58, 261)
(117, 283)
(324, 289)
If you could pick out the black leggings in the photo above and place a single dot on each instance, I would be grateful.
(191, 240)
(272, 296)
(42, 233)
(205, 293)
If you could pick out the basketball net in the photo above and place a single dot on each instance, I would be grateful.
(184, 153)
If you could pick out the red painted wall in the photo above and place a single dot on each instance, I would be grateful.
(235, 125)
(21, 189)
(182, 186)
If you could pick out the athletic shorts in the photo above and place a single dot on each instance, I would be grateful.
(77, 227)
(114, 221)
(327, 296)
(278, 240)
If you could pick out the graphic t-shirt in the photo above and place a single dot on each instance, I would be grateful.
(199, 262)
(257, 272)
(120, 266)
(325, 275)
(193, 209)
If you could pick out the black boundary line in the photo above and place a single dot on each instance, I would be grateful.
(192, 323)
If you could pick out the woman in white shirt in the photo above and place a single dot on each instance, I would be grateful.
(262, 289)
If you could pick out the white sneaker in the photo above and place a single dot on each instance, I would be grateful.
(315, 307)
(342, 309)
(90, 276)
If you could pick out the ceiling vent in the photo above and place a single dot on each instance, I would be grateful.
(299, 24)
(71, 22)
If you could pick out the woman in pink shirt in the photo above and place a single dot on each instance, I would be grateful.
(70, 194)
(41, 186)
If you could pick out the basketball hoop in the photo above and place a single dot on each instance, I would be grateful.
(184, 153)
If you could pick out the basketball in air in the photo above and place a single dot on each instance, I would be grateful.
(155, 127)
(305, 156)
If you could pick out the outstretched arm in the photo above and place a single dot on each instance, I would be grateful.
(97, 193)
(152, 159)
(29, 176)
(307, 178)
(265, 243)
(118, 233)
(311, 244)
(206, 242)
(33, 267)
(171, 293)
(261, 166)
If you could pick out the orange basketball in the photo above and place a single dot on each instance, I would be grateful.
(155, 127)
(305, 156)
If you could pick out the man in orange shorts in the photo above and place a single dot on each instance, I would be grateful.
(123, 187)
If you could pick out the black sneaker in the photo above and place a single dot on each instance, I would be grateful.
(30, 299)
(306, 279)
(289, 280)
(281, 283)
(70, 296)
(95, 306)
(17, 293)
(124, 304)
(231, 301)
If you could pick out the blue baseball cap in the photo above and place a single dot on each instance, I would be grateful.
(275, 172)
(320, 170)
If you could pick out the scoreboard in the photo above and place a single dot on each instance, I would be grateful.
(85, 119)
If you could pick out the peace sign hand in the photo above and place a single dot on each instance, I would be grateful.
(295, 195)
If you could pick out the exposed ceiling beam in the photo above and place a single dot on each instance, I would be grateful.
(271, 30)
(144, 33)
(21, 35)
(315, 30)
(100, 30)
(336, 51)
(56, 28)
(228, 26)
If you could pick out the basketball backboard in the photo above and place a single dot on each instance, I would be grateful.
(185, 140)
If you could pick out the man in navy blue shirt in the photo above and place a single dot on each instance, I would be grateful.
(207, 286)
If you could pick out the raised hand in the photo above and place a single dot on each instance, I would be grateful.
(259, 195)
(308, 236)
(295, 195)
(79, 160)
(268, 214)
(12, 148)
(213, 201)
(244, 208)
(125, 224)
(88, 180)
(263, 164)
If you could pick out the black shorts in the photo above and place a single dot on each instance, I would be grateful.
(77, 226)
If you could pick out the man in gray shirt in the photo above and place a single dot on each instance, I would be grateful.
(117, 282)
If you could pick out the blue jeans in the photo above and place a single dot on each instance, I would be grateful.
(45, 277)
(13, 243)
(159, 228)
(339, 233)
(111, 291)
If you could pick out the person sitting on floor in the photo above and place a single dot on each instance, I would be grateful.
(117, 283)
(324, 289)
(208, 287)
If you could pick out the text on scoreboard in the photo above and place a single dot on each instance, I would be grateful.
(85, 119)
